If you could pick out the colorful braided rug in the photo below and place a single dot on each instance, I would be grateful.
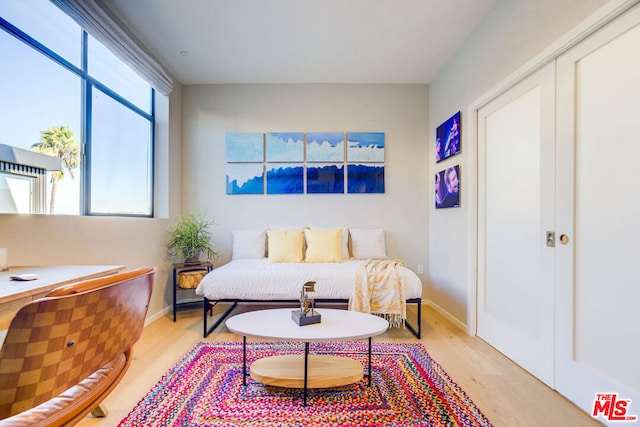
(205, 389)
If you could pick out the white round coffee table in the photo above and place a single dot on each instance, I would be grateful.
(306, 371)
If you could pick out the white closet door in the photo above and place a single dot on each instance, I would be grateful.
(515, 209)
(598, 209)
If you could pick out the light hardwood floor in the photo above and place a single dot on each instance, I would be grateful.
(507, 394)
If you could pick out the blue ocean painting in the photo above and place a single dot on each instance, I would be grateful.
(365, 147)
(245, 147)
(325, 178)
(365, 178)
(245, 178)
(285, 147)
(285, 179)
(325, 146)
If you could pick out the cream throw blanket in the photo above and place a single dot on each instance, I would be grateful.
(380, 289)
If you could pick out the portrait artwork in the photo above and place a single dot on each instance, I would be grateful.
(448, 138)
(447, 188)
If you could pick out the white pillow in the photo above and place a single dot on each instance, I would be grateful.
(345, 238)
(248, 244)
(368, 243)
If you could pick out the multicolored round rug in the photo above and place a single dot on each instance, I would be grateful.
(205, 389)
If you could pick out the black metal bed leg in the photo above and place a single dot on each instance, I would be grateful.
(223, 316)
(419, 318)
(409, 326)
(205, 304)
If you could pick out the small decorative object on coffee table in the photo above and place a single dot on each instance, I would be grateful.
(307, 315)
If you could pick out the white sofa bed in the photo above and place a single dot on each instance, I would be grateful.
(270, 266)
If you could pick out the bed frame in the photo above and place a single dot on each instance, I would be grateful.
(209, 304)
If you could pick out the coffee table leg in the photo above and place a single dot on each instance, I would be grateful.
(244, 360)
(306, 372)
(370, 372)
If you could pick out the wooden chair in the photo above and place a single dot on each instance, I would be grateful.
(64, 353)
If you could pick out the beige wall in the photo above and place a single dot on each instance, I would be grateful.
(513, 33)
(71, 240)
(400, 111)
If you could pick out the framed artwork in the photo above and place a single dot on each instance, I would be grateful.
(245, 178)
(448, 138)
(285, 147)
(245, 147)
(285, 178)
(365, 147)
(447, 188)
(283, 162)
(325, 147)
(325, 178)
(365, 178)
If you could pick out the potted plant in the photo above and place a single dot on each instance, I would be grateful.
(190, 238)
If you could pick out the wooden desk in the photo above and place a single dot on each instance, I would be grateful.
(15, 294)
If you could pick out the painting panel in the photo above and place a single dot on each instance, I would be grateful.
(447, 188)
(448, 138)
(325, 178)
(245, 178)
(285, 179)
(285, 147)
(325, 147)
(365, 147)
(245, 147)
(365, 178)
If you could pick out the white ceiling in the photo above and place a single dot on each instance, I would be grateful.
(302, 41)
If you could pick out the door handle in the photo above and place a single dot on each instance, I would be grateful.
(551, 239)
(564, 239)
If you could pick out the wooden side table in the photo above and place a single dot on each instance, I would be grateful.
(189, 274)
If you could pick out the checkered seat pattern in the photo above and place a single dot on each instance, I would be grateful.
(64, 353)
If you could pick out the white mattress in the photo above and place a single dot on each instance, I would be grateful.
(258, 279)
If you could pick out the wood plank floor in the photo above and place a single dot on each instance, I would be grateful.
(507, 394)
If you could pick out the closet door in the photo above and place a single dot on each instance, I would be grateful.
(598, 210)
(515, 210)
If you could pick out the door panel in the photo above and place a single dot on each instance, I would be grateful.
(515, 198)
(598, 207)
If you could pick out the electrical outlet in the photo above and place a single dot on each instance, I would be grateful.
(420, 268)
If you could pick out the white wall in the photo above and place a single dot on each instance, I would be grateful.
(133, 242)
(512, 34)
(400, 111)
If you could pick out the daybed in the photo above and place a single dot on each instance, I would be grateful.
(332, 258)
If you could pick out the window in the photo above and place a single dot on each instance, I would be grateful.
(61, 86)
(105, 67)
(121, 159)
(15, 193)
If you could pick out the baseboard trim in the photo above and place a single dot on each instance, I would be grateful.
(446, 314)
(164, 312)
